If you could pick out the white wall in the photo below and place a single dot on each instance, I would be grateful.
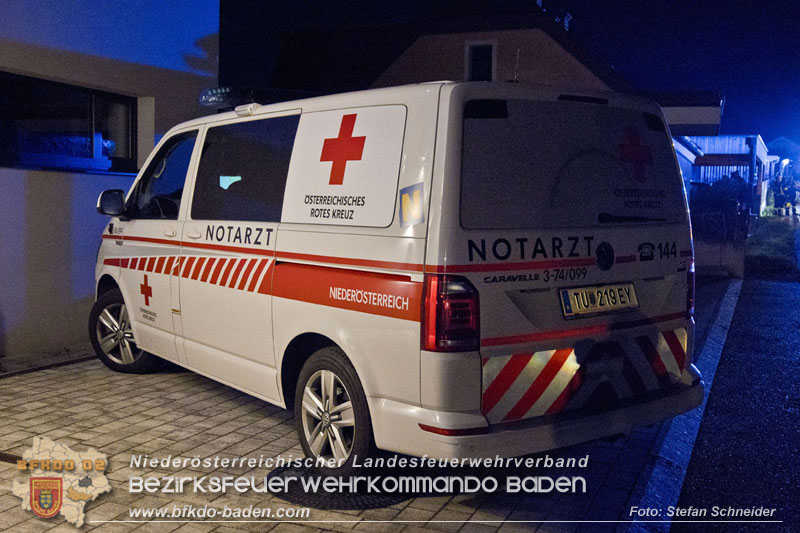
(49, 235)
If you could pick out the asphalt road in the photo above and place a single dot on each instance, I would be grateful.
(747, 452)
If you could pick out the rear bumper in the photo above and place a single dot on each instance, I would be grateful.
(459, 435)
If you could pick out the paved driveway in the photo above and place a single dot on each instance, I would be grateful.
(179, 413)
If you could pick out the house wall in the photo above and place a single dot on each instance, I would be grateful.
(442, 57)
(49, 236)
(175, 93)
(49, 228)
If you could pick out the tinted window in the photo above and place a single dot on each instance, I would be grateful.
(529, 164)
(158, 193)
(242, 172)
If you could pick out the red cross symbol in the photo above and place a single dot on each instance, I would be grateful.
(339, 150)
(146, 290)
(631, 150)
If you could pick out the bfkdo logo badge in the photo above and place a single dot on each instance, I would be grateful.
(46, 495)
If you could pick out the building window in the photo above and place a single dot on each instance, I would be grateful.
(480, 61)
(50, 125)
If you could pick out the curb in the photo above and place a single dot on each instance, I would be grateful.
(663, 485)
(80, 359)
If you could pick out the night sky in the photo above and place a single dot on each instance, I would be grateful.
(748, 51)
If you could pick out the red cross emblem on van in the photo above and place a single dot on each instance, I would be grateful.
(339, 150)
(631, 150)
(146, 291)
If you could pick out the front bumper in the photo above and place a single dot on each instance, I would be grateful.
(397, 426)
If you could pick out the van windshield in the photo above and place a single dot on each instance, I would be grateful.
(531, 164)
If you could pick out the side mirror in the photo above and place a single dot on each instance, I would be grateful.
(111, 202)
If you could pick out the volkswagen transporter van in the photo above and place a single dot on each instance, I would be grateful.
(443, 269)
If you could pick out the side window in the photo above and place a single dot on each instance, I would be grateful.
(243, 169)
(158, 194)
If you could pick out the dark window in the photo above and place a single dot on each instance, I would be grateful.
(530, 164)
(243, 168)
(480, 62)
(44, 124)
(158, 194)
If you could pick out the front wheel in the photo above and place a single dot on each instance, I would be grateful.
(112, 337)
(331, 411)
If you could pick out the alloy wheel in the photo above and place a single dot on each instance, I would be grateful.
(328, 418)
(115, 336)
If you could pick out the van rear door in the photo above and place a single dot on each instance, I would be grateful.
(572, 226)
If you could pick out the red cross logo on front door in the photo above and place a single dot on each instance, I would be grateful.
(146, 290)
(339, 150)
(631, 150)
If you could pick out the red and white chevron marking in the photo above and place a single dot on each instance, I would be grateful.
(520, 386)
(242, 273)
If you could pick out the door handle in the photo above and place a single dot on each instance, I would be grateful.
(194, 235)
(170, 233)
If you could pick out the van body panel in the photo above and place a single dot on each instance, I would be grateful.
(563, 210)
(539, 357)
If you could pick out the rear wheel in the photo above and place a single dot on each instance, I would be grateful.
(331, 412)
(112, 337)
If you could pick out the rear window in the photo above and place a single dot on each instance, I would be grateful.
(529, 164)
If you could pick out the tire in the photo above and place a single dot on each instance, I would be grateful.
(115, 345)
(327, 429)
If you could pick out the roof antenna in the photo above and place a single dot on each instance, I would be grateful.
(516, 68)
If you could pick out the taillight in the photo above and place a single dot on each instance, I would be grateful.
(450, 315)
(690, 290)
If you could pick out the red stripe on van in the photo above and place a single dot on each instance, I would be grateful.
(266, 283)
(188, 268)
(235, 275)
(566, 395)
(220, 264)
(151, 263)
(160, 265)
(589, 330)
(207, 270)
(676, 348)
(198, 267)
(223, 280)
(256, 275)
(646, 345)
(366, 292)
(539, 385)
(246, 274)
(168, 266)
(503, 267)
(351, 261)
(507, 376)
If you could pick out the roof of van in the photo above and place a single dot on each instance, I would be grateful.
(348, 99)
(419, 92)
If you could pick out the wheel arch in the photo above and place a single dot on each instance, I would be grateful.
(104, 284)
(295, 356)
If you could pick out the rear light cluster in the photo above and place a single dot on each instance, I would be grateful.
(450, 314)
(690, 290)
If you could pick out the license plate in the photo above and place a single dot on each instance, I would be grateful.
(595, 300)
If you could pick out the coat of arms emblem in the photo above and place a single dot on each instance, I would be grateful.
(46, 495)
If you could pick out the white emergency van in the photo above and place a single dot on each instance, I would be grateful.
(450, 269)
